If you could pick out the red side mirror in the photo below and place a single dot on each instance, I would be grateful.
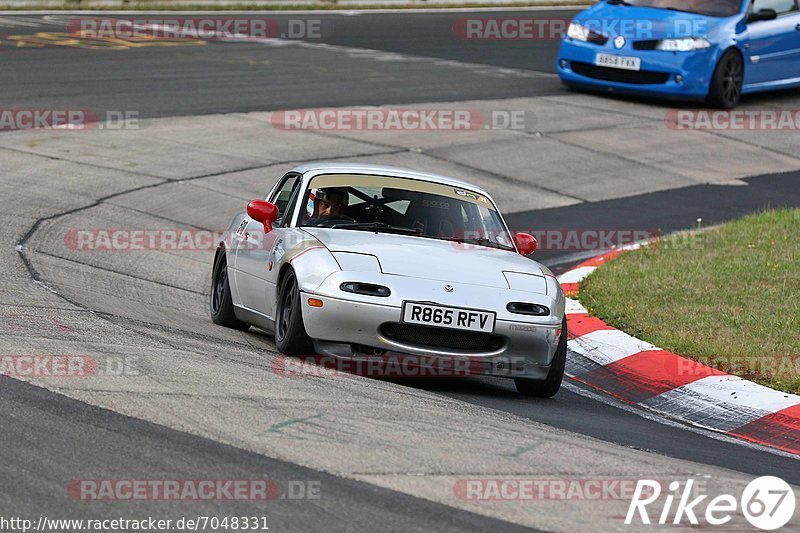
(264, 212)
(526, 243)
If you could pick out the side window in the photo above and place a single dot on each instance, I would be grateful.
(284, 218)
(282, 196)
(780, 6)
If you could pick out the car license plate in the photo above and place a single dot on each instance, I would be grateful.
(621, 62)
(448, 317)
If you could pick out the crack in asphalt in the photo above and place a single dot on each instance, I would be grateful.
(514, 181)
(148, 330)
(86, 163)
(117, 272)
(502, 177)
(277, 427)
(645, 119)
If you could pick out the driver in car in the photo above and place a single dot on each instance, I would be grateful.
(330, 204)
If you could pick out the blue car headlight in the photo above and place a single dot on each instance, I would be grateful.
(683, 45)
(577, 32)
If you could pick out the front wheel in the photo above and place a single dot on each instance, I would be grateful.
(221, 302)
(290, 333)
(550, 385)
(726, 83)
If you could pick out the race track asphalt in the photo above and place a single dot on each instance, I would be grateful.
(368, 59)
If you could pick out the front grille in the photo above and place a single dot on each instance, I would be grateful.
(646, 45)
(426, 336)
(639, 77)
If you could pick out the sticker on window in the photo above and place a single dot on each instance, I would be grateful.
(310, 204)
(468, 194)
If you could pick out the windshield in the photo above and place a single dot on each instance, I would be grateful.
(711, 8)
(405, 206)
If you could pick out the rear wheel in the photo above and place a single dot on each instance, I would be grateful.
(726, 83)
(548, 387)
(221, 302)
(290, 333)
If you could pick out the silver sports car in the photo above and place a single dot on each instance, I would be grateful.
(352, 261)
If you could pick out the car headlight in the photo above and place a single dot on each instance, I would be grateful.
(683, 45)
(577, 32)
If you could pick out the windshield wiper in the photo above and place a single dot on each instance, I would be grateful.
(618, 3)
(378, 226)
(482, 241)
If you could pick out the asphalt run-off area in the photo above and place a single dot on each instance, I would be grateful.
(190, 130)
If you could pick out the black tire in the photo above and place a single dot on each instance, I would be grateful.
(548, 387)
(221, 304)
(726, 83)
(290, 333)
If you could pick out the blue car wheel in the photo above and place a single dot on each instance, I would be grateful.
(726, 84)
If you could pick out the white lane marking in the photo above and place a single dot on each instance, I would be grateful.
(13, 22)
(574, 307)
(62, 19)
(733, 389)
(606, 346)
(722, 403)
(58, 19)
(647, 414)
(576, 274)
(383, 55)
(368, 53)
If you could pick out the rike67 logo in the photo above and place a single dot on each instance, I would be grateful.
(767, 502)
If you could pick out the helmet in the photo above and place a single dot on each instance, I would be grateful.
(332, 195)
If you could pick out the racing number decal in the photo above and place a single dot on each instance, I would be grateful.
(242, 227)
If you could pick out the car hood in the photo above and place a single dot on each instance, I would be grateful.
(645, 23)
(430, 259)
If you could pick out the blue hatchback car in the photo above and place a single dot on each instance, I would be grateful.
(712, 50)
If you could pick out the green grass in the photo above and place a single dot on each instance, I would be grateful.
(730, 295)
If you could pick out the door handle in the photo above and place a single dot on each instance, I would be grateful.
(797, 28)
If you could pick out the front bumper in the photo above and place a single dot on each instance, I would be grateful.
(658, 75)
(353, 328)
